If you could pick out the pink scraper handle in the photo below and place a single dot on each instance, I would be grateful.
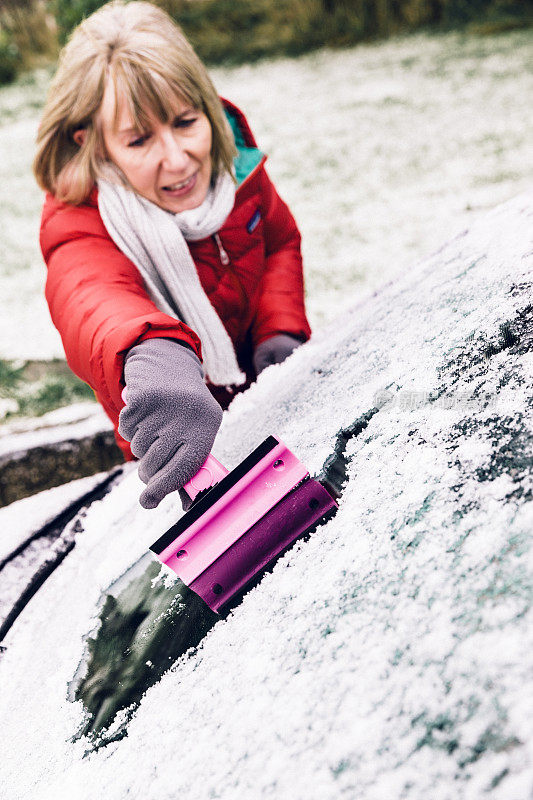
(208, 475)
(212, 472)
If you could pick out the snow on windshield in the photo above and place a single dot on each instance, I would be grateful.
(385, 656)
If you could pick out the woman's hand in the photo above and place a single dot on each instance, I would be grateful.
(171, 418)
(274, 351)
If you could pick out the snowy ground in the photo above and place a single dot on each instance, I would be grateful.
(381, 151)
(70, 422)
(389, 656)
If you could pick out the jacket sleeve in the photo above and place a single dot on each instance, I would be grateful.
(98, 301)
(281, 306)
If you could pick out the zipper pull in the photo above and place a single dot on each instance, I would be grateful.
(224, 258)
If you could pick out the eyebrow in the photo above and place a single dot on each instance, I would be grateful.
(128, 130)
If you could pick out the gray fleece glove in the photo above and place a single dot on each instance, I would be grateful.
(170, 417)
(274, 351)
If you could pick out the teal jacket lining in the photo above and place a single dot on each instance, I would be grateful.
(247, 158)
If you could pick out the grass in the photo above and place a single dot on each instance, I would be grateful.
(33, 388)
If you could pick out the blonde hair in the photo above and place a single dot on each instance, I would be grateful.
(142, 50)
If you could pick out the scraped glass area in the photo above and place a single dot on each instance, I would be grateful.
(145, 626)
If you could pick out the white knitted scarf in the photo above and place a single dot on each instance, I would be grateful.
(156, 241)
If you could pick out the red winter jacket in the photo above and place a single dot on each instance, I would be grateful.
(100, 306)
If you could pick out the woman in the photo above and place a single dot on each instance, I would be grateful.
(164, 238)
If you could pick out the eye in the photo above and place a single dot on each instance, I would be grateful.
(138, 141)
(184, 122)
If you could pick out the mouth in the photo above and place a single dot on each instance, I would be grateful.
(180, 187)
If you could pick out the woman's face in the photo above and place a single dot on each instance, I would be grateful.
(169, 163)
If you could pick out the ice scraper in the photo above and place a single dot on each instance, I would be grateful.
(240, 521)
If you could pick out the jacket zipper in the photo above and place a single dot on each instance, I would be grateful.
(226, 262)
(224, 258)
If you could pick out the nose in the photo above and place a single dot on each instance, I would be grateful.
(173, 155)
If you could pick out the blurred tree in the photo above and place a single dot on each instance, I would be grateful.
(69, 13)
(28, 35)
(236, 31)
